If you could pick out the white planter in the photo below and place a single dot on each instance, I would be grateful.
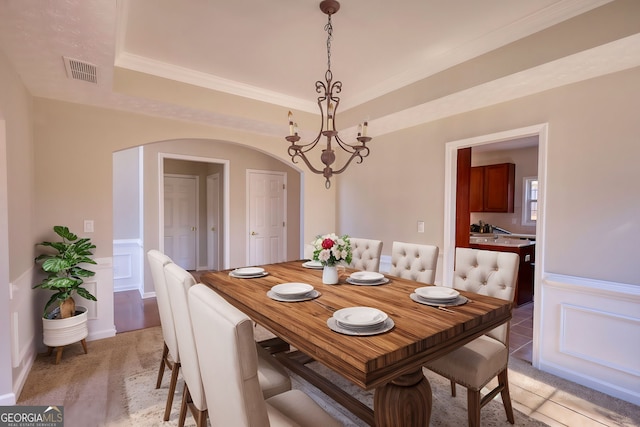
(61, 332)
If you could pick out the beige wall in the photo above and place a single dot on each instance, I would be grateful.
(16, 109)
(74, 144)
(17, 240)
(592, 193)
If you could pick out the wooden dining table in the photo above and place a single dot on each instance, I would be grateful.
(389, 363)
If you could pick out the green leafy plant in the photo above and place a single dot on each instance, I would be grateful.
(65, 277)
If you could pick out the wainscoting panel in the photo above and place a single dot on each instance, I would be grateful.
(590, 334)
(127, 265)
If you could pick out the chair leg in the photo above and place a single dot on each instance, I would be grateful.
(172, 390)
(506, 398)
(473, 407)
(453, 388)
(201, 419)
(165, 352)
(186, 397)
(84, 345)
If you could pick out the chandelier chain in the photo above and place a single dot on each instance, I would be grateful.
(329, 29)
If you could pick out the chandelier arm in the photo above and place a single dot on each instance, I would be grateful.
(351, 148)
(355, 155)
(300, 154)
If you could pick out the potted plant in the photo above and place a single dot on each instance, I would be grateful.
(65, 323)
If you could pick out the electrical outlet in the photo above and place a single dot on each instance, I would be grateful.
(420, 226)
(88, 226)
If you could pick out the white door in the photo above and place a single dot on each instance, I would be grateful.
(213, 221)
(180, 220)
(267, 222)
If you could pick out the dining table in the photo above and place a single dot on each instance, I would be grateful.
(390, 362)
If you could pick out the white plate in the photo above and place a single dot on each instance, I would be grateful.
(360, 316)
(245, 276)
(292, 290)
(459, 300)
(248, 271)
(437, 293)
(313, 264)
(311, 295)
(385, 326)
(382, 281)
(366, 276)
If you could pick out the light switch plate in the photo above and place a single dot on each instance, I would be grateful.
(88, 226)
(420, 226)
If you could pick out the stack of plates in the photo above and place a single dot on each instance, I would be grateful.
(367, 278)
(438, 296)
(248, 272)
(313, 264)
(292, 292)
(360, 321)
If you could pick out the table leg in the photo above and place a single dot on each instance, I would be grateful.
(404, 401)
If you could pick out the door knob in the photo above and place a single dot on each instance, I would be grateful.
(213, 229)
(193, 229)
(253, 233)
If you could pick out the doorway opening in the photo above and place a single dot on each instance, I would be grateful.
(451, 171)
(214, 236)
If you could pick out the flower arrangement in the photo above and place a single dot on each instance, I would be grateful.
(331, 249)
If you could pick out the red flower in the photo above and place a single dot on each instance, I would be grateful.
(327, 244)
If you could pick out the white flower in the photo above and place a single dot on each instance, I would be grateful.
(323, 256)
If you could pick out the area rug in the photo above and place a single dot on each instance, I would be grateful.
(145, 405)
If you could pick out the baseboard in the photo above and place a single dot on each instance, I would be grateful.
(594, 383)
(8, 399)
(98, 335)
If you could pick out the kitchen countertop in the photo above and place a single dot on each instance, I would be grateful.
(501, 240)
(513, 235)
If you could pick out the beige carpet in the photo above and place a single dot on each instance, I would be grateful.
(114, 385)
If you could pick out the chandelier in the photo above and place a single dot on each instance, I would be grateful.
(328, 104)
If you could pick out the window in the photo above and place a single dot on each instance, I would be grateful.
(530, 201)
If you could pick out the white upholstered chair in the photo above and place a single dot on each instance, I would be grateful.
(170, 353)
(365, 254)
(229, 368)
(478, 362)
(272, 376)
(413, 261)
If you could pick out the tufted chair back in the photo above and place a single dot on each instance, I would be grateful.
(414, 262)
(489, 273)
(365, 254)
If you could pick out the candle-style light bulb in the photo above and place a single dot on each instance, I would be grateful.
(364, 128)
(360, 130)
(330, 117)
(295, 128)
(290, 123)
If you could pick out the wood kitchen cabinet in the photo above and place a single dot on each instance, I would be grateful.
(524, 283)
(492, 188)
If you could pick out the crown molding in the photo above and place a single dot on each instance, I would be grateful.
(529, 25)
(208, 81)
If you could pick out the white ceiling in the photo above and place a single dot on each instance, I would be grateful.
(267, 50)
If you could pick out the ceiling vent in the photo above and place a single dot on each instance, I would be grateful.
(80, 70)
